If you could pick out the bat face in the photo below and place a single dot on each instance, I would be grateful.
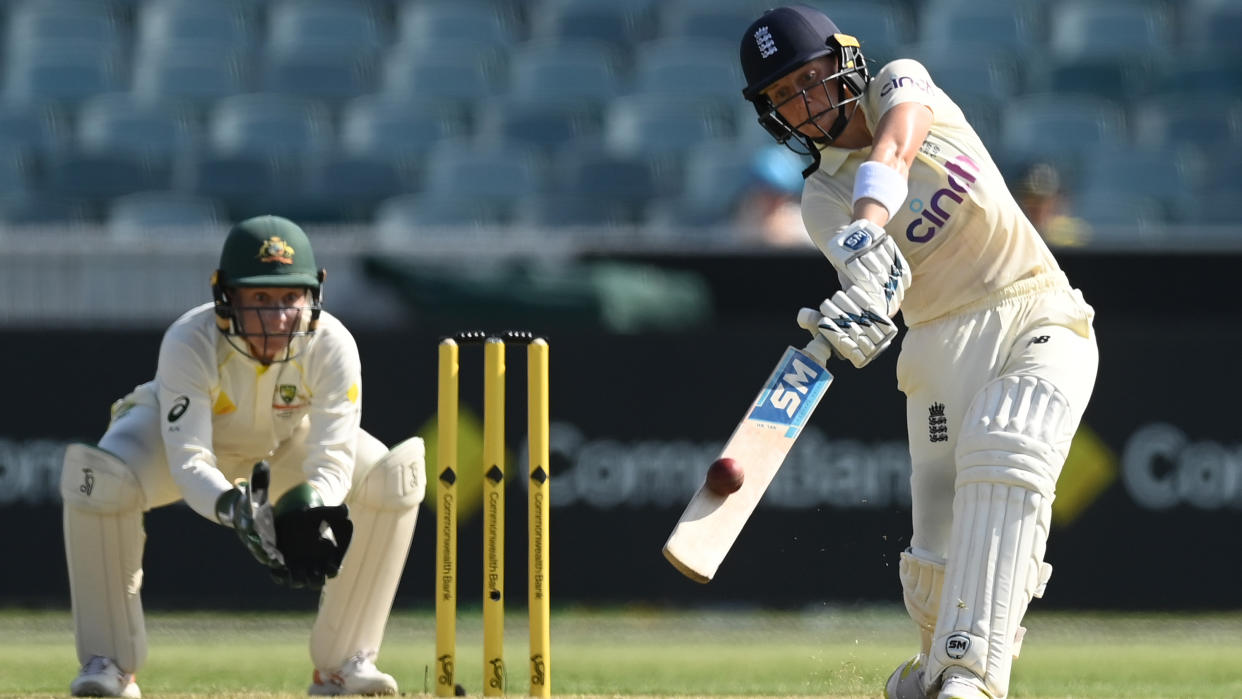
(711, 522)
(790, 394)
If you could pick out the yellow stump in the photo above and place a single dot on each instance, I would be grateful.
(538, 509)
(446, 521)
(493, 517)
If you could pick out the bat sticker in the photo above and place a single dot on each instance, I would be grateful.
(791, 392)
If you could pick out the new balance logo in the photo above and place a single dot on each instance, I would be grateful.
(767, 46)
(1038, 340)
(937, 423)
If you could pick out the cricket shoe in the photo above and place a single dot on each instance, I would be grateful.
(906, 682)
(357, 676)
(962, 684)
(100, 677)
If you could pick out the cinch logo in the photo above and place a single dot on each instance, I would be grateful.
(962, 172)
(767, 46)
(791, 392)
(905, 80)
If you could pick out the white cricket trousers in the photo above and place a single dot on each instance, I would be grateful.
(1034, 327)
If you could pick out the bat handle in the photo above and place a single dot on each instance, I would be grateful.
(820, 350)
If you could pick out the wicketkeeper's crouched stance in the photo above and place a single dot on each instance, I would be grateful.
(257, 392)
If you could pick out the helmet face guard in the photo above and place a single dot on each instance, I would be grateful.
(846, 81)
(253, 338)
(266, 252)
(784, 40)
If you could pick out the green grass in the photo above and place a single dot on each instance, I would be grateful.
(645, 652)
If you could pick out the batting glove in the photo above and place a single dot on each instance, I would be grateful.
(865, 256)
(853, 330)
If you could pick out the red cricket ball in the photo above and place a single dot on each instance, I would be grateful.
(724, 476)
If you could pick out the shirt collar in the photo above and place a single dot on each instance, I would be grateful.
(831, 158)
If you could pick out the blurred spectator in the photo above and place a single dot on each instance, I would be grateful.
(768, 210)
(1038, 191)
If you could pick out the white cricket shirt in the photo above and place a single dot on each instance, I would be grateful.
(219, 406)
(960, 228)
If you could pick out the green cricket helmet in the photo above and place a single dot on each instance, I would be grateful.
(266, 251)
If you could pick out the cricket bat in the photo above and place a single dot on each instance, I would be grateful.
(711, 522)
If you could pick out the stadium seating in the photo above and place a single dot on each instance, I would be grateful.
(1011, 27)
(62, 22)
(326, 108)
(620, 24)
(714, 176)
(38, 130)
(463, 72)
(688, 68)
(1208, 121)
(331, 71)
(653, 124)
(269, 124)
(582, 71)
(1109, 28)
(1166, 175)
(198, 74)
(1056, 126)
(543, 124)
(148, 214)
(880, 27)
(603, 175)
(711, 22)
(407, 217)
(572, 211)
(62, 72)
(319, 24)
(222, 25)
(443, 20)
(397, 127)
(21, 208)
(120, 123)
(14, 168)
(1212, 26)
(503, 173)
(344, 187)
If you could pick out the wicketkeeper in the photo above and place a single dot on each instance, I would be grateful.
(999, 359)
(253, 420)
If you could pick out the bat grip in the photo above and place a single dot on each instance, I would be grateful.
(820, 350)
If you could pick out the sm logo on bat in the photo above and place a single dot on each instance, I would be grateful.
(792, 392)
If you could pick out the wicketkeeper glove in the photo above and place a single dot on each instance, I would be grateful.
(311, 536)
(246, 509)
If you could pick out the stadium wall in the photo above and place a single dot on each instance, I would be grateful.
(1146, 515)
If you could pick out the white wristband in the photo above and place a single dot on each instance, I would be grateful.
(877, 181)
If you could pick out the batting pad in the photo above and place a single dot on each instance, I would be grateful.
(104, 540)
(355, 604)
(922, 581)
(1009, 455)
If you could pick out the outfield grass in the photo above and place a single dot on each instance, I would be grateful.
(645, 652)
